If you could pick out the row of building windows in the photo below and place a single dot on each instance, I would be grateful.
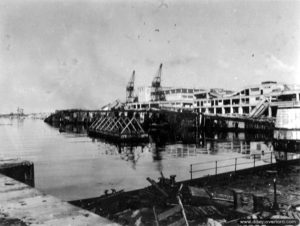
(225, 102)
(216, 102)
(181, 91)
(227, 110)
(245, 92)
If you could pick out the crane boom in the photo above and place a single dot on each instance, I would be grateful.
(157, 93)
(130, 89)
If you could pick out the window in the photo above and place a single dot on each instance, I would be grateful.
(227, 110)
(235, 101)
(201, 96)
(258, 147)
(246, 110)
(255, 89)
(287, 97)
(226, 102)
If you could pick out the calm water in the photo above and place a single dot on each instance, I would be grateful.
(72, 166)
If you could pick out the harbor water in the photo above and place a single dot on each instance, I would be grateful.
(71, 166)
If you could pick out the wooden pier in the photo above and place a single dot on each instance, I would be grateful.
(72, 116)
(163, 126)
(118, 128)
(235, 123)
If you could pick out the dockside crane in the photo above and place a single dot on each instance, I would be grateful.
(157, 93)
(130, 89)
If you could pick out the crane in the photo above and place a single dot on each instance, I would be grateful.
(157, 93)
(130, 89)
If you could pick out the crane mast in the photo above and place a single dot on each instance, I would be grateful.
(157, 93)
(130, 89)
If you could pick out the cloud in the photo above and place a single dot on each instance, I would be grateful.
(62, 54)
(276, 64)
(258, 72)
(223, 64)
(182, 59)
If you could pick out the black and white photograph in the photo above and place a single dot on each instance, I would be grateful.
(149, 112)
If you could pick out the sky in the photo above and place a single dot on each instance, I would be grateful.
(63, 54)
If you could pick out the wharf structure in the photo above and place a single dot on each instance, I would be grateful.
(178, 99)
(287, 132)
(212, 110)
(251, 101)
(157, 96)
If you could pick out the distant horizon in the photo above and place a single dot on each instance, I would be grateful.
(69, 54)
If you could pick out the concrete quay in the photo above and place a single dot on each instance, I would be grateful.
(21, 204)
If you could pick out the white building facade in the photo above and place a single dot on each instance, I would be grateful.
(244, 101)
(176, 99)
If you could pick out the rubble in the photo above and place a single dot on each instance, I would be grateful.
(166, 202)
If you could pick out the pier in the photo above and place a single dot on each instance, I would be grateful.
(118, 128)
(22, 171)
(136, 125)
(22, 204)
(236, 123)
(72, 116)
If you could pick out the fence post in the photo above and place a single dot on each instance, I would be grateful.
(271, 157)
(191, 171)
(235, 164)
(254, 160)
(216, 167)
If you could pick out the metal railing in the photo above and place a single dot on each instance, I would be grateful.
(233, 163)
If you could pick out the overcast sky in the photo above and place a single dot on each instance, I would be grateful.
(80, 54)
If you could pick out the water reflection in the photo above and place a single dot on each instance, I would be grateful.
(214, 144)
(70, 128)
(159, 152)
(71, 165)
